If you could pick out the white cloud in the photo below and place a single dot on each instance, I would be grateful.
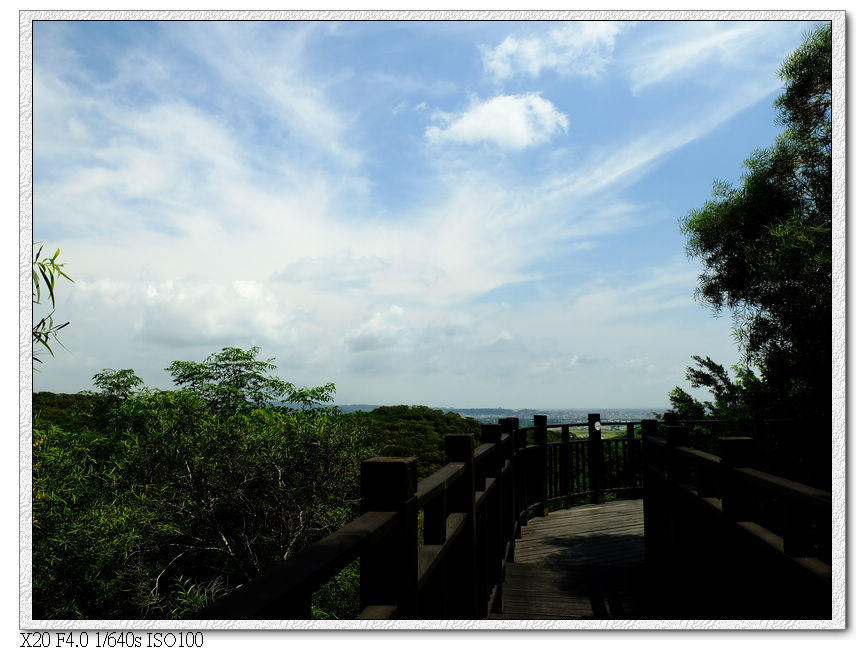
(384, 330)
(681, 51)
(508, 121)
(458, 326)
(268, 69)
(216, 312)
(165, 320)
(337, 271)
(571, 49)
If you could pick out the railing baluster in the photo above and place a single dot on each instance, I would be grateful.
(540, 432)
(523, 466)
(630, 474)
(509, 488)
(565, 486)
(492, 433)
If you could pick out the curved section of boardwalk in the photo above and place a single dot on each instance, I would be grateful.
(585, 562)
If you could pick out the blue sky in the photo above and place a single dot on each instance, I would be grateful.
(444, 213)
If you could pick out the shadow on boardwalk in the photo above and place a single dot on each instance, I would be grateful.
(586, 562)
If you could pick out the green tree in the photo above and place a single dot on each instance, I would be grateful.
(119, 384)
(766, 246)
(416, 431)
(46, 271)
(234, 379)
(686, 406)
(741, 397)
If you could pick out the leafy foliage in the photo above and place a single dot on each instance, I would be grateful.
(117, 384)
(235, 379)
(151, 504)
(69, 412)
(766, 246)
(744, 397)
(685, 406)
(416, 431)
(46, 271)
(169, 501)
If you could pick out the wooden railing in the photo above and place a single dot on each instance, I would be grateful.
(727, 541)
(585, 466)
(473, 510)
(777, 447)
(723, 540)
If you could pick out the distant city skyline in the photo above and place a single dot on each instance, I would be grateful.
(468, 213)
(526, 415)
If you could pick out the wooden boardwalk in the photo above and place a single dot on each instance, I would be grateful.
(585, 562)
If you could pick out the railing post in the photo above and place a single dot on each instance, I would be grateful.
(654, 511)
(495, 551)
(566, 480)
(630, 471)
(509, 494)
(648, 428)
(736, 451)
(540, 432)
(463, 583)
(524, 467)
(389, 568)
(596, 458)
(677, 436)
(433, 601)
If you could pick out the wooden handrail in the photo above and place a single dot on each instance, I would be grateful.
(474, 507)
(762, 540)
(436, 483)
(770, 483)
(782, 487)
(279, 592)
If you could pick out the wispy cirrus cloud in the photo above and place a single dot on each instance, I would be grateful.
(583, 48)
(511, 122)
(625, 164)
(681, 51)
(272, 76)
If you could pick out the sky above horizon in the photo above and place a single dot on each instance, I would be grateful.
(460, 214)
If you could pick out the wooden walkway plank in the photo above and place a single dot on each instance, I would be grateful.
(585, 562)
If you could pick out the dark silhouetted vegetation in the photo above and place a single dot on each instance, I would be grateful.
(766, 252)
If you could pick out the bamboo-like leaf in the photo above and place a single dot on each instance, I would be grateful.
(48, 283)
